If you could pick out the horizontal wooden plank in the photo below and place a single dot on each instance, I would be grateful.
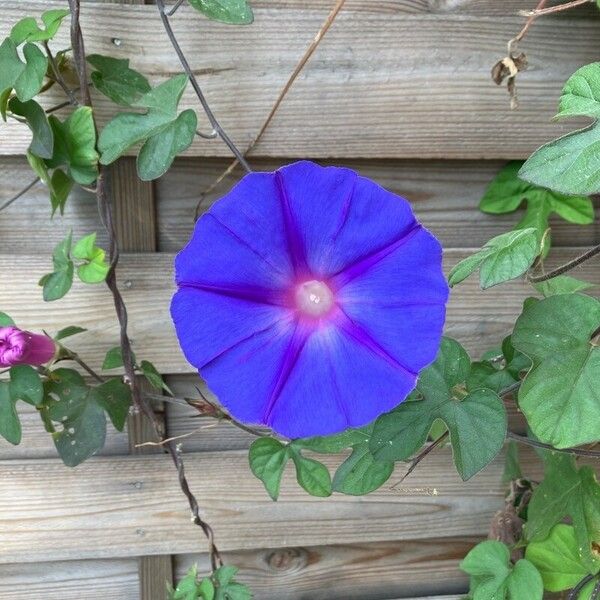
(132, 506)
(477, 319)
(37, 442)
(204, 434)
(444, 194)
(358, 572)
(70, 580)
(375, 87)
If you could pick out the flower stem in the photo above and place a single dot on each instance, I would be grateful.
(567, 266)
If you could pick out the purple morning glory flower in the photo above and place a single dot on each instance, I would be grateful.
(309, 299)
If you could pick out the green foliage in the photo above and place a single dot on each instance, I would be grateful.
(312, 475)
(68, 332)
(10, 425)
(507, 192)
(268, 458)
(571, 163)
(476, 420)
(235, 12)
(58, 183)
(28, 30)
(113, 359)
(221, 586)
(5, 320)
(563, 284)
(493, 576)
(95, 268)
(113, 78)
(567, 492)
(114, 396)
(504, 257)
(26, 385)
(59, 282)
(558, 560)
(512, 467)
(25, 78)
(163, 131)
(75, 145)
(151, 373)
(42, 143)
(360, 473)
(560, 396)
(76, 411)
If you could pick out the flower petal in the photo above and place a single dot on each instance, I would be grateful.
(337, 383)
(400, 300)
(240, 240)
(210, 324)
(340, 216)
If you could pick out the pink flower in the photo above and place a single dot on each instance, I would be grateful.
(19, 347)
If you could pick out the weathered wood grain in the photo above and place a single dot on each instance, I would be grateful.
(477, 319)
(419, 82)
(130, 506)
(444, 194)
(359, 572)
(72, 580)
(37, 442)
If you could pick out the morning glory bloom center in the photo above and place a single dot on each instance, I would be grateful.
(314, 298)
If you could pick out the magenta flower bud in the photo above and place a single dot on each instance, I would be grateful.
(18, 347)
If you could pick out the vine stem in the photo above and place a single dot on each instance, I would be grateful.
(567, 266)
(282, 94)
(574, 594)
(188, 70)
(540, 12)
(20, 193)
(105, 210)
(529, 442)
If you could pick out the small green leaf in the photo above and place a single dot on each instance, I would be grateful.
(312, 475)
(486, 375)
(68, 332)
(225, 586)
(60, 188)
(95, 268)
(493, 575)
(360, 473)
(70, 405)
(558, 560)
(512, 467)
(5, 320)
(113, 359)
(159, 151)
(113, 78)
(504, 257)
(10, 425)
(42, 143)
(563, 284)
(58, 283)
(333, 444)
(26, 385)
(476, 420)
(153, 376)
(571, 163)
(163, 132)
(114, 397)
(75, 145)
(567, 491)
(189, 588)
(25, 78)
(27, 29)
(560, 396)
(268, 458)
(235, 12)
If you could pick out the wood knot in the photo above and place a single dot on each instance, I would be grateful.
(287, 559)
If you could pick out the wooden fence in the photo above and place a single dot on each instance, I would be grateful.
(399, 90)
